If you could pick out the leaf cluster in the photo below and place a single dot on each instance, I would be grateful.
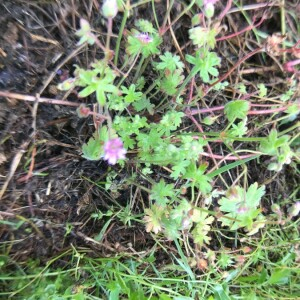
(171, 73)
(205, 63)
(181, 216)
(142, 43)
(203, 37)
(241, 208)
(278, 147)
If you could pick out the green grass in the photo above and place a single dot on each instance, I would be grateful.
(265, 267)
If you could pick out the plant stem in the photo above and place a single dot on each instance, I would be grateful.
(258, 50)
(40, 100)
(138, 69)
(193, 73)
(224, 12)
(241, 31)
(128, 72)
(228, 157)
(250, 112)
(125, 16)
(109, 33)
(154, 14)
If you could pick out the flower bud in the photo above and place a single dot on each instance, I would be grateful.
(83, 111)
(276, 209)
(209, 10)
(295, 209)
(110, 8)
(67, 84)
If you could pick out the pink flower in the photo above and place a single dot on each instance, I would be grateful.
(242, 209)
(144, 37)
(114, 150)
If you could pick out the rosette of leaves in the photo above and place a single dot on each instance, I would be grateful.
(170, 221)
(98, 80)
(144, 43)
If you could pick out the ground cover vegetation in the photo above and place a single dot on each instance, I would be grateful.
(149, 149)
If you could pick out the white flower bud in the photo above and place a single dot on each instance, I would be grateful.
(295, 209)
(209, 10)
(110, 8)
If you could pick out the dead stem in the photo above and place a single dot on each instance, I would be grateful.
(16, 96)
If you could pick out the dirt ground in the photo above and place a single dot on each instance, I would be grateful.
(47, 180)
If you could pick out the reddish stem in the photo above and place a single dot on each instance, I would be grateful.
(228, 6)
(292, 49)
(267, 111)
(261, 49)
(229, 157)
(204, 137)
(240, 32)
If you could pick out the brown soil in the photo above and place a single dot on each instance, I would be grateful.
(63, 188)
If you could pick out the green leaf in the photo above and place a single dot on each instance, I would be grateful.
(162, 193)
(169, 62)
(93, 150)
(99, 80)
(191, 148)
(179, 169)
(144, 103)
(280, 276)
(170, 82)
(225, 260)
(273, 142)
(202, 228)
(149, 141)
(241, 206)
(170, 122)
(145, 26)
(127, 126)
(86, 76)
(180, 213)
(137, 44)
(170, 229)
(205, 63)
(238, 130)
(131, 94)
(262, 90)
(198, 178)
(203, 37)
(87, 91)
(237, 109)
